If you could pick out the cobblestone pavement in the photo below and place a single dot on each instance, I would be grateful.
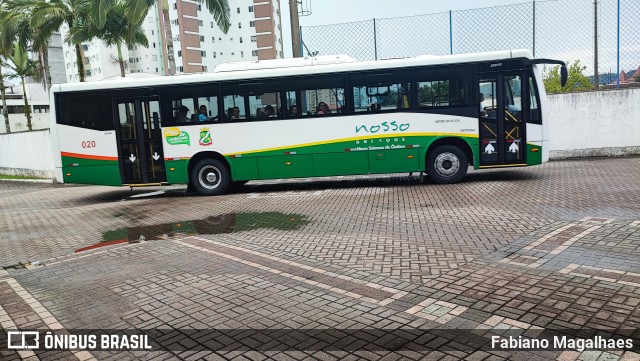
(371, 267)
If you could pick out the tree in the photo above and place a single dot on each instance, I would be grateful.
(17, 30)
(52, 14)
(5, 111)
(23, 67)
(117, 29)
(576, 81)
(29, 36)
(169, 37)
(138, 9)
(8, 33)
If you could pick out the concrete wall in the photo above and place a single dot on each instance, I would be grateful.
(580, 124)
(594, 123)
(18, 122)
(37, 97)
(26, 153)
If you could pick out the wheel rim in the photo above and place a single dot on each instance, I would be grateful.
(209, 177)
(447, 164)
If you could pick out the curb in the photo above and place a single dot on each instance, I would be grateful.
(46, 181)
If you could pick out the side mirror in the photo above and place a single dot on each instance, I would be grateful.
(563, 75)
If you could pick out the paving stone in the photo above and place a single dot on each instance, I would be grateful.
(479, 244)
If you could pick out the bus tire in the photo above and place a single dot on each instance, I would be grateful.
(210, 177)
(447, 164)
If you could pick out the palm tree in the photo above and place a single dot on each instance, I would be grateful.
(117, 29)
(16, 30)
(138, 9)
(8, 33)
(30, 36)
(23, 67)
(5, 111)
(51, 15)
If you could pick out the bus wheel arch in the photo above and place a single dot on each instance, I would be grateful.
(447, 160)
(209, 173)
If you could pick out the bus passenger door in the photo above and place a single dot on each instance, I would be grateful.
(140, 141)
(502, 127)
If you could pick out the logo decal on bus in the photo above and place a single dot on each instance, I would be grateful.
(171, 132)
(176, 137)
(205, 137)
(384, 126)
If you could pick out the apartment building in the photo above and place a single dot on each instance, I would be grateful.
(188, 32)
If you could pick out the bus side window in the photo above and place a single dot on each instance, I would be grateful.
(311, 93)
(404, 95)
(292, 109)
(534, 108)
(460, 93)
(513, 98)
(264, 106)
(438, 90)
(394, 97)
(207, 109)
(183, 111)
(322, 102)
(433, 93)
(90, 110)
(488, 103)
(235, 107)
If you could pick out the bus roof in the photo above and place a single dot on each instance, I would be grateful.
(291, 67)
(284, 63)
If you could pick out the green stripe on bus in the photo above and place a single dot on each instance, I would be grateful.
(177, 171)
(91, 171)
(534, 158)
(380, 155)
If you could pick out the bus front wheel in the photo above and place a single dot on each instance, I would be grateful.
(210, 177)
(447, 164)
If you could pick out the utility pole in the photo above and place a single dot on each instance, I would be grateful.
(534, 28)
(295, 28)
(596, 75)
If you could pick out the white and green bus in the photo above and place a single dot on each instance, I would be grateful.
(304, 117)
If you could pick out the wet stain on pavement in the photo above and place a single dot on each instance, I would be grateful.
(220, 224)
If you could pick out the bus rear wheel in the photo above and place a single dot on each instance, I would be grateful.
(447, 164)
(210, 177)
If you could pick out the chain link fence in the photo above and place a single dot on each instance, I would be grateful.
(570, 30)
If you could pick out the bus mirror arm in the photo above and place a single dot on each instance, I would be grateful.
(564, 75)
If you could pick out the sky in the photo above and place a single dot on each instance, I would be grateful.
(325, 12)
(559, 34)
